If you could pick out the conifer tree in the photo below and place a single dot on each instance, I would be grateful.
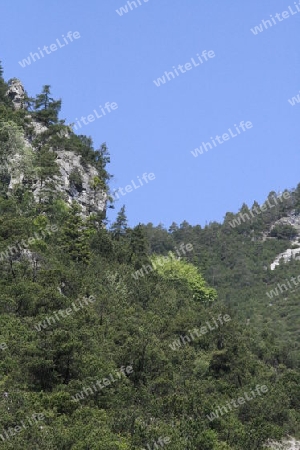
(75, 236)
(3, 87)
(45, 164)
(102, 158)
(119, 227)
(139, 246)
(46, 108)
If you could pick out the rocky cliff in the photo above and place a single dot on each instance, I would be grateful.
(293, 220)
(90, 199)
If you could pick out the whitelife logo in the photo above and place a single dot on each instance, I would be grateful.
(19, 247)
(267, 23)
(294, 100)
(86, 120)
(244, 126)
(129, 187)
(241, 401)
(188, 66)
(160, 443)
(161, 261)
(91, 118)
(7, 434)
(262, 208)
(275, 292)
(203, 330)
(53, 47)
(124, 9)
(68, 311)
(101, 384)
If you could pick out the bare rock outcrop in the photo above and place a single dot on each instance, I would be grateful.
(76, 181)
(286, 444)
(290, 253)
(16, 93)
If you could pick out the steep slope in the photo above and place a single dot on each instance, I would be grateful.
(92, 357)
(292, 220)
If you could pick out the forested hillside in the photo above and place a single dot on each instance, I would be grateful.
(119, 338)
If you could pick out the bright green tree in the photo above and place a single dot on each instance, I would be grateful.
(179, 270)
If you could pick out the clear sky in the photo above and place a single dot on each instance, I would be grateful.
(155, 129)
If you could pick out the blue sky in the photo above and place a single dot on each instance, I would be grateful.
(154, 129)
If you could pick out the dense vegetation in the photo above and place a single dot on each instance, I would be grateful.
(49, 357)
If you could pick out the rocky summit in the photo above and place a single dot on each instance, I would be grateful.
(61, 184)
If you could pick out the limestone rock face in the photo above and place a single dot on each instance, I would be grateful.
(75, 181)
(90, 200)
(38, 127)
(293, 220)
(16, 93)
(286, 444)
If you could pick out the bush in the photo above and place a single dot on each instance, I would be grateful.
(76, 180)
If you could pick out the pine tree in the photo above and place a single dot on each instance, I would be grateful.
(3, 87)
(1, 82)
(119, 227)
(46, 108)
(45, 164)
(139, 246)
(75, 236)
(102, 158)
(173, 227)
(28, 102)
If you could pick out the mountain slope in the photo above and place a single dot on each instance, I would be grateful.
(92, 357)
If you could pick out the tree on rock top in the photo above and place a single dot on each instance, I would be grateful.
(46, 108)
